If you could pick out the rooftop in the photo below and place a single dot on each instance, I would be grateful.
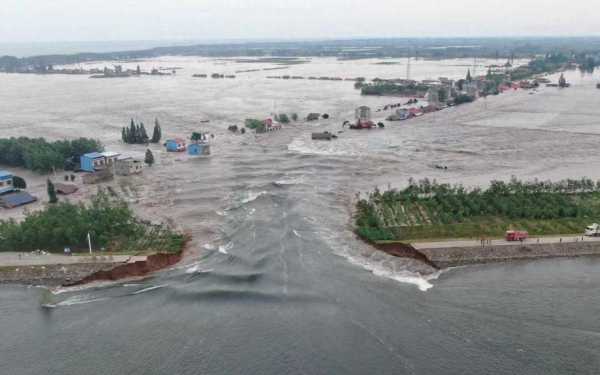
(94, 155)
(5, 174)
(109, 154)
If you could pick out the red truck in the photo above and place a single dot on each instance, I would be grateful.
(516, 235)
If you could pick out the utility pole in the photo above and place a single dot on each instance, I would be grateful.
(89, 238)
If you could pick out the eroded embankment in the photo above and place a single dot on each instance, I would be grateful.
(404, 251)
(153, 263)
(458, 256)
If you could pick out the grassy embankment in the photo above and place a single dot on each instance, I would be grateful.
(110, 223)
(430, 211)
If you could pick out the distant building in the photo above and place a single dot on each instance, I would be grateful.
(471, 88)
(433, 96)
(363, 113)
(400, 115)
(196, 149)
(176, 145)
(126, 166)
(6, 182)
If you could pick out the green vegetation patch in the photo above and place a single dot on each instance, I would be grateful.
(428, 210)
(41, 156)
(110, 223)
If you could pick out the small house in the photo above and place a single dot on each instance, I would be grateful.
(127, 166)
(176, 145)
(92, 161)
(6, 182)
(196, 149)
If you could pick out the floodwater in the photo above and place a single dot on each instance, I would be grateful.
(276, 282)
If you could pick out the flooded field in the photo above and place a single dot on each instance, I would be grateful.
(276, 273)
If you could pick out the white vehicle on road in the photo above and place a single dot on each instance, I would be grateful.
(593, 230)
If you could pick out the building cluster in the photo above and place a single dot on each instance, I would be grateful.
(102, 166)
(197, 147)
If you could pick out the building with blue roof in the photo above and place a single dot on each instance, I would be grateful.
(6, 182)
(92, 161)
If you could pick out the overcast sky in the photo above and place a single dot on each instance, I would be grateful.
(100, 20)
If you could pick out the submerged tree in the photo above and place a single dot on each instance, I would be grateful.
(157, 132)
(19, 182)
(149, 159)
(52, 198)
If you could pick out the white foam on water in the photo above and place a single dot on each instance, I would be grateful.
(226, 248)
(403, 276)
(149, 289)
(79, 300)
(208, 246)
(252, 196)
(297, 234)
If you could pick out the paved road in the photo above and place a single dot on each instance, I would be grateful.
(32, 259)
(477, 243)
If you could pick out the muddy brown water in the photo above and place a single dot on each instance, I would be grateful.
(278, 283)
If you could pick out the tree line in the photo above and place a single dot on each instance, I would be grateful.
(136, 133)
(423, 203)
(42, 156)
(110, 223)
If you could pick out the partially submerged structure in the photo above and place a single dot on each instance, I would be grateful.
(268, 126)
(16, 199)
(199, 148)
(176, 145)
(324, 136)
(127, 166)
(65, 189)
(363, 118)
(6, 182)
(96, 161)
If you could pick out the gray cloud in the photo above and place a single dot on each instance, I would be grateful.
(68, 20)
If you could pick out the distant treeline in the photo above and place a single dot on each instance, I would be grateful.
(110, 223)
(42, 156)
(432, 48)
(390, 88)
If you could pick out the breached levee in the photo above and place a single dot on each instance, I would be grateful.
(152, 263)
(452, 256)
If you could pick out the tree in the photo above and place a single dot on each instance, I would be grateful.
(196, 136)
(124, 135)
(131, 138)
(149, 159)
(19, 182)
(562, 82)
(157, 132)
(469, 78)
(294, 116)
(52, 198)
(283, 118)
